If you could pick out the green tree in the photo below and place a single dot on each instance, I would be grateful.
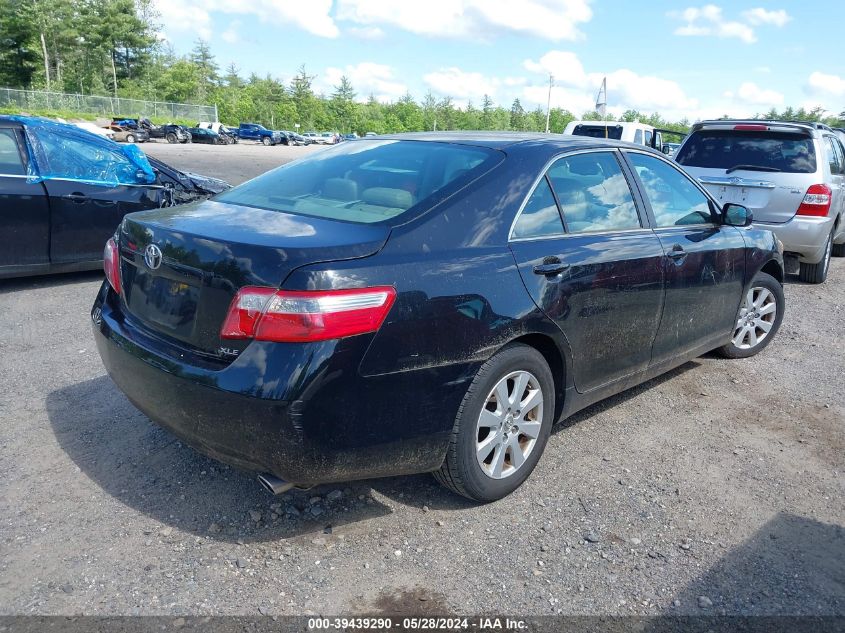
(517, 118)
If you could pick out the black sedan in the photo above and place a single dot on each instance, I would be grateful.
(426, 303)
(210, 137)
(64, 190)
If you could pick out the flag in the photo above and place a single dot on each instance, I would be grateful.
(601, 99)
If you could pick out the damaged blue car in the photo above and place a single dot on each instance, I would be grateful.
(64, 190)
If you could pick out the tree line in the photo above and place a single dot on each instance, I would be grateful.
(110, 47)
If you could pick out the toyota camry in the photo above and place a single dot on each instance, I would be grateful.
(426, 303)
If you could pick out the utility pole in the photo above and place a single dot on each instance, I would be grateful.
(549, 102)
(46, 62)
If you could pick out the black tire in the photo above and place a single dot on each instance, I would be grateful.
(761, 280)
(171, 138)
(817, 273)
(267, 140)
(838, 250)
(461, 471)
(130, 138)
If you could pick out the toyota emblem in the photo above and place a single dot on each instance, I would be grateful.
(152, 256)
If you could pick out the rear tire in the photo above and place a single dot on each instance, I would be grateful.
(171, 138)
(758, 319)
(817, 273)
(266, 140)
(497, 439)
(130, 138)
(838, 250)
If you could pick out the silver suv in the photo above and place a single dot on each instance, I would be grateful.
(791, 175)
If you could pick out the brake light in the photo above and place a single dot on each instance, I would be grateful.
(266, 314)
(816, 201)
(111, 264)
(751, 127)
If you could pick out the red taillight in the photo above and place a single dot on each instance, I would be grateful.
(816, 201)
(111, 264)
(266, 314)
(751, 127)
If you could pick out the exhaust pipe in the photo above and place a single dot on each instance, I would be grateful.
(275, 485)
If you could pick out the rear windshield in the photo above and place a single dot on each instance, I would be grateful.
(599, 131)
(771, 151)
(363, 181)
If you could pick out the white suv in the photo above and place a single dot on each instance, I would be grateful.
(630, 132)
(790, 174)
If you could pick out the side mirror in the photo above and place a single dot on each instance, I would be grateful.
(666, 149)
(736, 215)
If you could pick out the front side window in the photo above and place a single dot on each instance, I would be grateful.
(675, 200)
(593, 193)
(540, 216)
(11, 163)
(364, 182)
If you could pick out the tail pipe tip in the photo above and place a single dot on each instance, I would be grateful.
(275, 485)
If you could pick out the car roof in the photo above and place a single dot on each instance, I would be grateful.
(773, 124)
(501, 140)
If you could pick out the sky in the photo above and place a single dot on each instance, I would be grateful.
(690, 61)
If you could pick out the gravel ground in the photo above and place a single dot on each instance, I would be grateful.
(717, 488)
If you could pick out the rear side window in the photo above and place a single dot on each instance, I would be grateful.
(593, 193)
(11, 163)
(539, 217)
(366, 181)
(833, 153)
(599, 131)
(766, 151)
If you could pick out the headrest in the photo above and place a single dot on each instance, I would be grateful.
(387, 197)
(340, 189)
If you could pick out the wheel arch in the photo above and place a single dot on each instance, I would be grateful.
(556, 358)
(773, 268)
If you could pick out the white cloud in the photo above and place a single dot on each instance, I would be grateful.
(550, 19)
(751, 94)
(762, 16)
(454, 82)
(367, 79)
(231, 34)
(312, 16)
(575, 89)
(366, 32)
(708, 20)
(823, 84)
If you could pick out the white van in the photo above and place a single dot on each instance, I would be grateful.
(638, 133)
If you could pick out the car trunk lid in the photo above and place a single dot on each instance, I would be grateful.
(182, 266)
(771, 200)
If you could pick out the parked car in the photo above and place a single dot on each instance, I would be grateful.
(424, 305)
(129, 134)
(790, 174)
(631, 132)
(229, 135)
(298, 139)
(171, 132)
(91, 127)
(312, 136)
(670, 148)
(209, 137)
(64, 190)
(256, 132)
(368, 134)
(328, 138)
(350, 137)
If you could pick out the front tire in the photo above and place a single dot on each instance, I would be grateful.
(817, 273)
(171, 138)
(759, 318)
(838, 250)
(266, 140)
(130, 138)
(502, 426)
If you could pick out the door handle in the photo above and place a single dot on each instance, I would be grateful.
(79, 198)
(550, 266)
(677, 252)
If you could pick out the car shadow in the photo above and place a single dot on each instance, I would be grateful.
(150, 470)
(49, 281)
(792, 566)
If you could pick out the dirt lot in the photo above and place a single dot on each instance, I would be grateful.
(715, 489)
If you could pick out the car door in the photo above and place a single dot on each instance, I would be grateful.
(836, 161)
(704, 261)
(24, 211)
(87, 201)
(592, 264)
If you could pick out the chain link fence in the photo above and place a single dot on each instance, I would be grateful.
(36, 100)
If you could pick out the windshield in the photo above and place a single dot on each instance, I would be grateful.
(762, 151)
(364, 181)
(599, 131)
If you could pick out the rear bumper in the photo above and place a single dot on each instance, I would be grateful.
(302, 413)
(804, 236)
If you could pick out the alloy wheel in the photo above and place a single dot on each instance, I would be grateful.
(509, 424)
(756, 318)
